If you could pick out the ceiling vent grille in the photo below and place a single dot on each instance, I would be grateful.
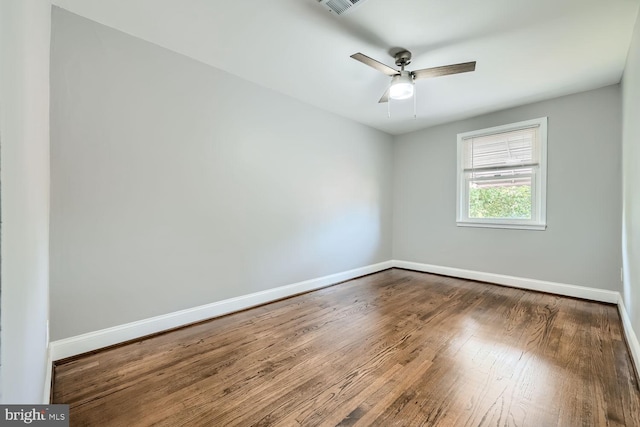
(340, 7)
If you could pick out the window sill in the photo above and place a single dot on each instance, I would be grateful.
(538, 227)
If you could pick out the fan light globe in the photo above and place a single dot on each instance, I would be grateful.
(401, 86)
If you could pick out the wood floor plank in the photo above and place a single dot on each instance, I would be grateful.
(393, 348)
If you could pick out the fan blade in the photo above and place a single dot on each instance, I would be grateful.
(426, 73)
(375, 64)
(385, 97)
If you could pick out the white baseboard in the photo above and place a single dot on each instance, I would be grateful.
(46, 392)
(593, 294)
(79, 344)
(629, 333)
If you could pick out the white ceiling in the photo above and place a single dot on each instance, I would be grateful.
(525, 50)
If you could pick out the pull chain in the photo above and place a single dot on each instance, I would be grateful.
(415, 95)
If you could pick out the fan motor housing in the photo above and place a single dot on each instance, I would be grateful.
(403, 58)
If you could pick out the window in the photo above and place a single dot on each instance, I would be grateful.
(502, 175)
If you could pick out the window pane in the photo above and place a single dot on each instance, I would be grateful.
(502, 176)
(500, 198)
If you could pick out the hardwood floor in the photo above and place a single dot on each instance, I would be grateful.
(394, 348)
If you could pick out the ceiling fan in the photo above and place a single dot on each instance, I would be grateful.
(402, 81)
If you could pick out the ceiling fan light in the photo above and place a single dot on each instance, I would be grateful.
(401, 86)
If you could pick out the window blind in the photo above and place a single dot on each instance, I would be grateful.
(503, 151)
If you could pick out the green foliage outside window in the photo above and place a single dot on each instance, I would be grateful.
(500, 202)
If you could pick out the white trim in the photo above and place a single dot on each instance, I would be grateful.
(540, 227)
(593, 294)
(632, 338)
(79, 344)
(512, 127)
(46, 392)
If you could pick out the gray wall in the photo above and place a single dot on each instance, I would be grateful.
(24, 141)
(631, 180)
(175, 184)
(581, 245)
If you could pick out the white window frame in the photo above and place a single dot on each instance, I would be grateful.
(538, 219)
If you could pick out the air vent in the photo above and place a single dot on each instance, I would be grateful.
(340, 7)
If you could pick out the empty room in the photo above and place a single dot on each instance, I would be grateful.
(320, 213)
